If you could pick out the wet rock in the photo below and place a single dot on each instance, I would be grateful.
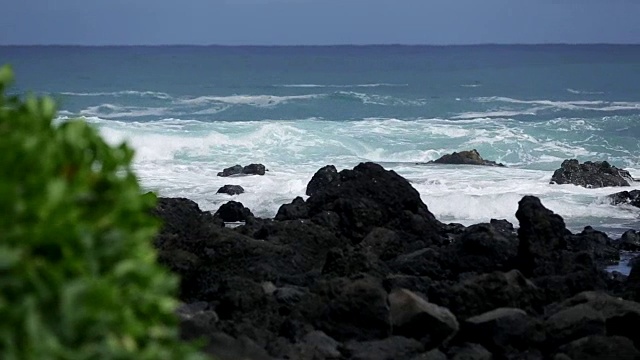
(391, 348)
(231, 190)
(414, 317)
(370, 196)
(503, 331)
(468, 157)
(251, 169)
(233, 211)
(298, 209)
(321, 179)
(590, 174)
(254, 169)
(602, 347)
(626, 197)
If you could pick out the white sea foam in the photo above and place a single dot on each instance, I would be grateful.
(591, 105)
(153, 94)
(574, 91)
(385, 100)
(111, 111)
(496, 114)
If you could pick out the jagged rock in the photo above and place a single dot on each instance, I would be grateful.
(630, 241)
(237, 294)
(482, 248)
(370, 196)
(183, 218)
(231, 190)
(626, 197)
(481, 293)
(317, 345)
(574, 323)
(254, 169)
(620, 316)
(601, 347)
(590, 174)
(298, 209)
(596, 243)
(233, 211)
(251, 169)
(434, 354)
(391, 348)
(424, 262)
(230, 171)
(503, 331)
(351, 261)
(414, 317)
(321, 178)
(224, 347)
(542, 235)
(349, 309)
(468, 157)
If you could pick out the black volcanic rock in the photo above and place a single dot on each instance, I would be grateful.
(321, 178)
(626, 197)
(370, 196)
(233, 211)
(298, 209)
(468, 157)
(231, 190)
(590, 174)
(251, 169)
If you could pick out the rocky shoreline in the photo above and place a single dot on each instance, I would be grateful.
(363, 270)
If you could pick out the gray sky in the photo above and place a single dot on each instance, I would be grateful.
(268, 22)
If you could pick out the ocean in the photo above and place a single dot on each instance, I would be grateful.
(191, 111)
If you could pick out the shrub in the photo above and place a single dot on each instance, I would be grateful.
(78, 273)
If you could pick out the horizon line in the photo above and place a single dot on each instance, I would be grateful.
(328, 45)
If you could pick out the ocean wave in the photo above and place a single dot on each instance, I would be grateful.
(111, 111)
(471, 85)
(495, 114)
(374, 99)
(341, 86)
(152, 94)
(251, 100)
(582, 92)
(590, 105)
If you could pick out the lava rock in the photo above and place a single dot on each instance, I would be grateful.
(391, 348)
(468, 157)
(254, 169)
(590, 174)
(298, 209)
(602, 347)
(630, 241)
(231, 190)
(230, 171)
(596, 243)
(233, 211)
(321, 178)
(626, 197)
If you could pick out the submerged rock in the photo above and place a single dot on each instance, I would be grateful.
(251, 169)
(590, 174)
(231, 190)
(468, 157)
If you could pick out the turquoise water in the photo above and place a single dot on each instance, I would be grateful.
(191, 111)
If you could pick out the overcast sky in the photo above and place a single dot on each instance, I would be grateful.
(268, 22)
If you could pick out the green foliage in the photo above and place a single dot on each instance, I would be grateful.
(78, 274)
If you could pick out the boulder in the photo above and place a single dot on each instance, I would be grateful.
(542, 235)
(469, 351)
(590, 174)
(298, 209)
(197, 320)
(596, 243)
(231, 190)
(626, 197)
(503, 331)
(573, 323)
(233, 211)
(478, 294)
(370, 196)
(254, 169)
(321, 178)
(416, 318)
(251, 169)
(230, 171)
(468, 157)
(349, 309)
(182, 218)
